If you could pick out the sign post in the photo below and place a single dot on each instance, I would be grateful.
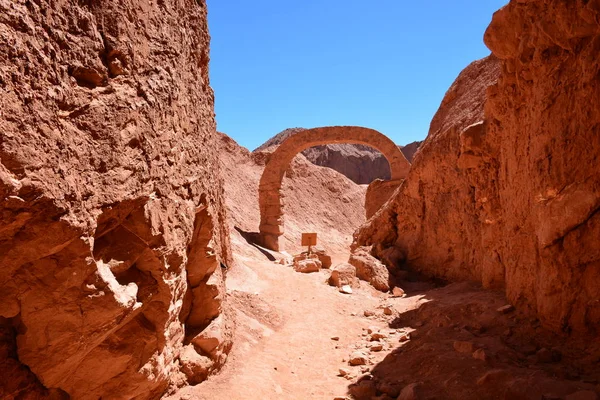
(309, 239)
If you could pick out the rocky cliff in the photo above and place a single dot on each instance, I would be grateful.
(361, 164)
(111, 241)
(505, 189)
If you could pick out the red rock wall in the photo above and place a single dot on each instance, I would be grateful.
(544, 117)
(111, 239)
(513, 201)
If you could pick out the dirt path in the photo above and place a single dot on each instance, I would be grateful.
(285, 325)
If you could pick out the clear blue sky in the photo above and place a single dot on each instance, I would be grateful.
(382, 64)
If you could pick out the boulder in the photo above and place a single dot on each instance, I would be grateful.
(194, 366)
(358, 358)
(307, 266)
(323, 256)
(343, 275)
(369, 269)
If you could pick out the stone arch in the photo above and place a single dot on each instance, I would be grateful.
(269, 192)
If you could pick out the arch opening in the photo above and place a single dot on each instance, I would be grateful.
(270, 198)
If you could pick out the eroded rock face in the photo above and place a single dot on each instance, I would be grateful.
(111, 239)
(505, 188)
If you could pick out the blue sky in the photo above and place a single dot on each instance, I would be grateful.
(383, 64)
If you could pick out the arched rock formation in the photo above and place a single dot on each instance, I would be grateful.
(270, 199)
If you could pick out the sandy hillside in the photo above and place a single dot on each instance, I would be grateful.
(317, 199)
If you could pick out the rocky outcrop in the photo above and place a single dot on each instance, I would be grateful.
(361, 164)
(316, 200)
(433, 217)
(370, 269)
(505, 188)
(112, 244)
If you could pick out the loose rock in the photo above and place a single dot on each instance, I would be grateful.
(346, 289)
(307, 266)
(369, 269)
(343, 275)
(376, 347)
(358, 358)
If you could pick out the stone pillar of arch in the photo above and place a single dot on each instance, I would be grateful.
(270, 196)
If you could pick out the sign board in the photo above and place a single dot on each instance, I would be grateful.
(309, 239)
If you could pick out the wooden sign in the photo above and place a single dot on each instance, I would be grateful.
(309, 239)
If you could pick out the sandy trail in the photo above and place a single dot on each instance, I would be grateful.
(285, 324)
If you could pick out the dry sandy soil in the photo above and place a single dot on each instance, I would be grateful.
(460, 346)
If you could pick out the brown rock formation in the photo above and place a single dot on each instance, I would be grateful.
(509, 196)
(111, 239)
(360, 163)
(270, 198)
(369, 269)
(317, 199)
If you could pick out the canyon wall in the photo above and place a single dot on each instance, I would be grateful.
(112, 246)
(505, 190)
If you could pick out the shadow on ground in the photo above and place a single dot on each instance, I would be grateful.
(253, 238)
(462, 347)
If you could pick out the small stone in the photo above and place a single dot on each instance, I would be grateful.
(364, 369)
(336, 338)
(346, 289)
(398, 292)
(404, 337)
(340, 398)
(343, 275)
(376, 347)
(358, 358)
(480, 354)
(344, 372)
(369, 313)
(506, 309)
(372, 329)
(463, 347)
(377, 336)
(388, 310)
